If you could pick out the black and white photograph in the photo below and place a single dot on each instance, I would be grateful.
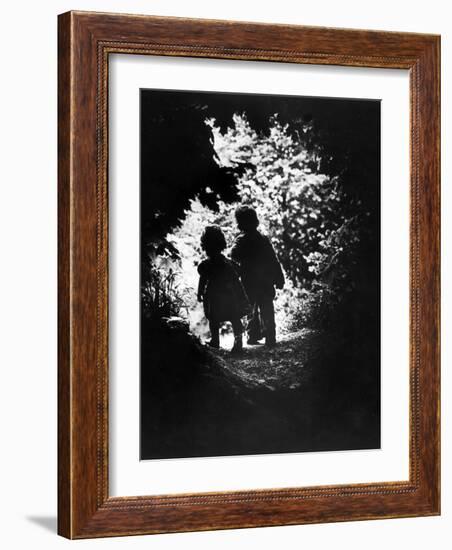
(260, 274)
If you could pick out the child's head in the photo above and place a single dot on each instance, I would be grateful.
(246, 218)
(212, 240)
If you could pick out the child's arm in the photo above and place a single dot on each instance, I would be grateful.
(201, 287)
(274, 265)
(236, 251)
(202, 281)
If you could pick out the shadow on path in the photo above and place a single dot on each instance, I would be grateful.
(285, 366)
(311, 392)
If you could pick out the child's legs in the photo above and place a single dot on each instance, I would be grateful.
(214, 333)
(254, 324)
(268, 317)
(237, 327)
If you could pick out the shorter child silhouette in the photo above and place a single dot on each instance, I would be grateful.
(220, 288)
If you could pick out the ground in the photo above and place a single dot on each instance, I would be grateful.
(285, 366)
(311, 392)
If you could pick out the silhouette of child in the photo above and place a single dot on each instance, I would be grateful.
(220, 288)
(260, 272)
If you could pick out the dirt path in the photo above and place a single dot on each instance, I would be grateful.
(283, 367)
(309, 393)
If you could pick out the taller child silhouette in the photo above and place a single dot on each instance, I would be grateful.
(260, 272)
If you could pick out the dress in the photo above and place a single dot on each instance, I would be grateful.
(223, 295)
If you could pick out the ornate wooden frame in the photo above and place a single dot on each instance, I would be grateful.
(85, 42)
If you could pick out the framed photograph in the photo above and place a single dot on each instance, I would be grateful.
(248, 275)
